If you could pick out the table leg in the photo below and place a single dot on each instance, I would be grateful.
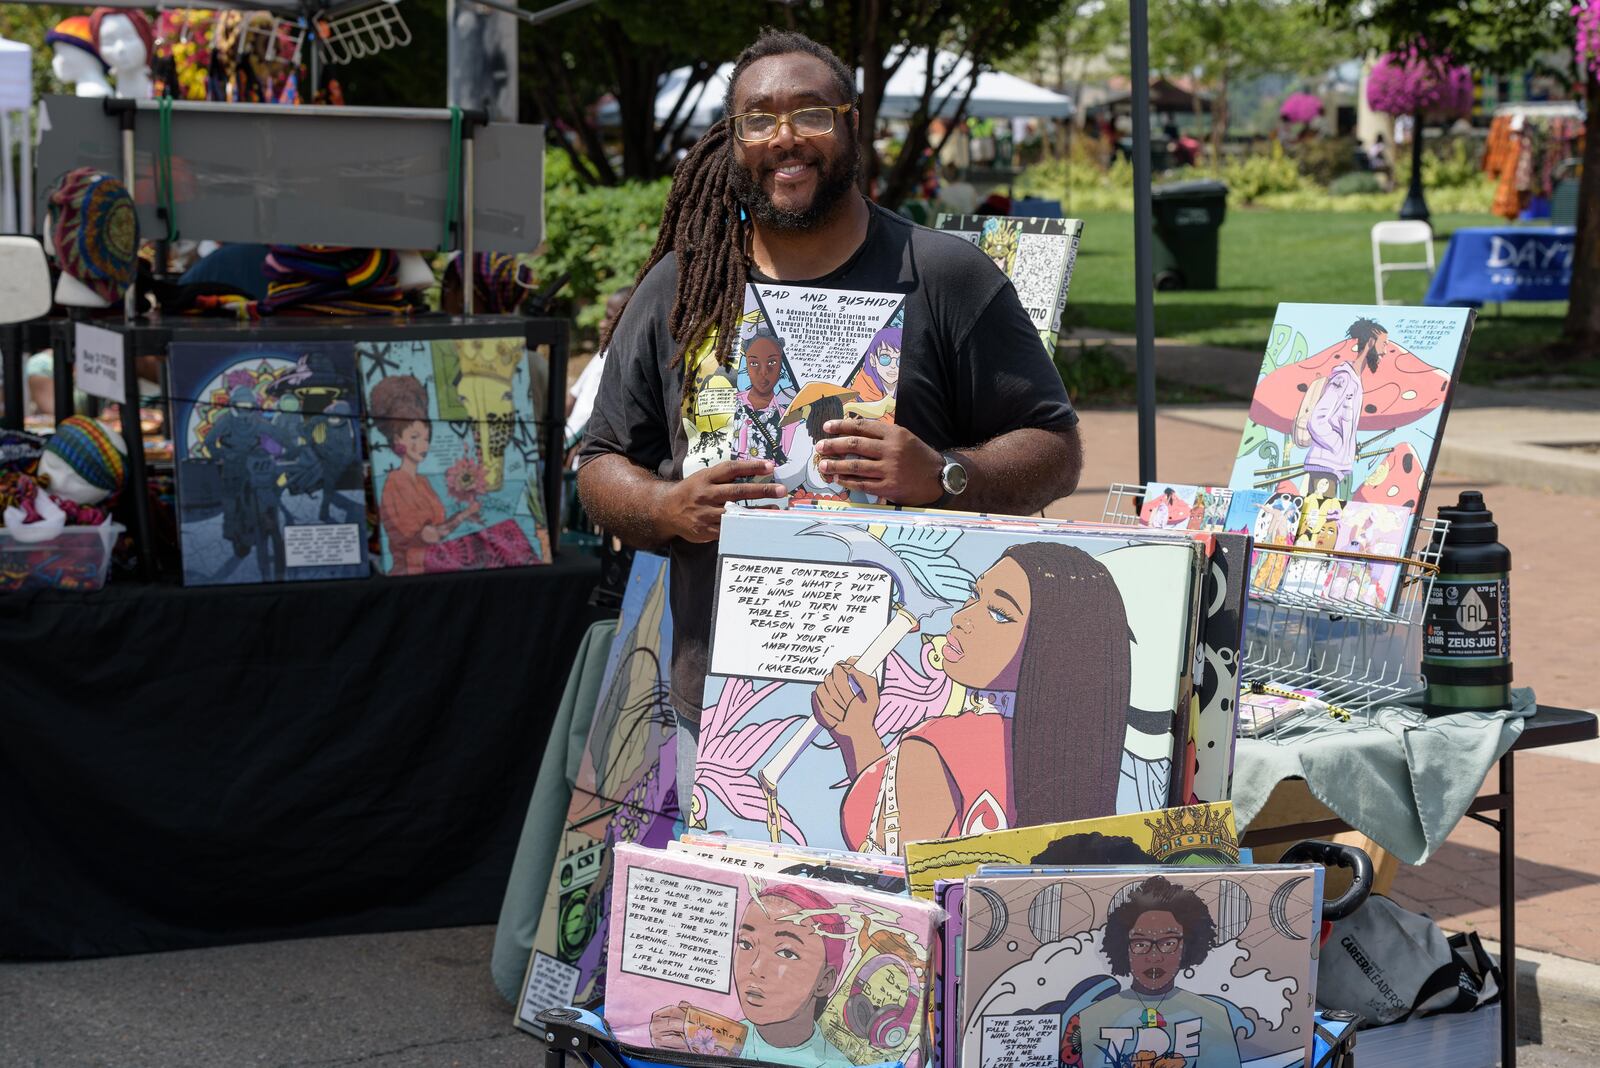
(1508, 915)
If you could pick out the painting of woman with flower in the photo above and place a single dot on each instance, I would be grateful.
(412, 515)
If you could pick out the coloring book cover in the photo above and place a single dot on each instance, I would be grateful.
(455, 454)
(1176, 968)
(711, 959)
(268, 453)
(1354, 393)
(626, 791)
(805, 355)
(1036, 254)
(1197, 834)
(877, 680)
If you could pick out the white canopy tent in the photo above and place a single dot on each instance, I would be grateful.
(997, 95)
(16, 98)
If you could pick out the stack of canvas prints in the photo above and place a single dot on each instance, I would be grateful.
(715, 960)
(625, 791)
(455, 454)
(1036, 254)
(1169, 967)
(878, 678)
(268, 456)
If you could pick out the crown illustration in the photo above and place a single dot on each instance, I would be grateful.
(1178, 830)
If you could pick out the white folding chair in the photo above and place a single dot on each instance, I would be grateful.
(1400, 232)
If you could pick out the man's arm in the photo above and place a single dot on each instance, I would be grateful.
(647, 512)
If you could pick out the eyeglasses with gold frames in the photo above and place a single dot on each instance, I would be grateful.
(756, 127)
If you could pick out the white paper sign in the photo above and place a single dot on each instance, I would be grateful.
(680, 930)
(793, 620)
(552, 984)
(1021, 1040)
(321, 544)
(97, 366)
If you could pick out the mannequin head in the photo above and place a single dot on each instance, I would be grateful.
(94, 235)
(125, 43)
(413, 272)
(83, 461)
(76, 60)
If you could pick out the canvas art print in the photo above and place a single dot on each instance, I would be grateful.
(455, 455)
(625, 791)
(268, 453)
(1355, 396)
(1036, 254)
(714, 960)
(878, 680)
(803, 356)
(1166, 967)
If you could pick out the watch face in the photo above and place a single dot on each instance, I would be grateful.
(955, 478)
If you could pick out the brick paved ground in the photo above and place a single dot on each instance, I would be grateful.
(1556, 616)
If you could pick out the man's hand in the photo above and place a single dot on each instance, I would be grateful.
(887, 461)
(692, 509)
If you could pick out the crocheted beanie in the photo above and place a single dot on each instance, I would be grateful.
(86, 447)
(329, 280)
(96, 231)
(76, 32)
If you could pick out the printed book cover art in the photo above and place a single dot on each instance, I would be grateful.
(1208, 766)
(625, 791)
(869, 871)
(1170, 968)
(1169, 506)
(710, 959)
(1357, 394)
(875, 683)
(1270, 517)
(1198, 836)
(1374, 529)
(804, 356)
(268, 452)
(455, 454)
(1036, 254)
(1320, 516)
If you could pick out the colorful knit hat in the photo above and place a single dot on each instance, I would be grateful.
(141, 26)
(96, 231)
(494, 279)
(88, 448)
(77, 32)
(330, 280)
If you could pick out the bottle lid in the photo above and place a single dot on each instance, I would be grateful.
(1471, 523)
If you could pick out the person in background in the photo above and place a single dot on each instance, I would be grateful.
(580, 398)
(1379, 164)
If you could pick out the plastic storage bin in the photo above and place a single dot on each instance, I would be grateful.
(74, 558)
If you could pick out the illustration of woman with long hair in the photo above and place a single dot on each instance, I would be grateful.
(410, 510)
(879, 376)
(1044, 650)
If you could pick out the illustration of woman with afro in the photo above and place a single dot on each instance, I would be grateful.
(411, 513)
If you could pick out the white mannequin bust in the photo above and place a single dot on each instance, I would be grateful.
(67, 483)
(413, 272)
(71, 293)
(80, 70)
(126, 55)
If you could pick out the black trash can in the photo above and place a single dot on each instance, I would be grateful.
(1187, 217)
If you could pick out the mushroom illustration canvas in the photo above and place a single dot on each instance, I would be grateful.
(1351, 402)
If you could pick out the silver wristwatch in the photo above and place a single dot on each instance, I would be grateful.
(953, 477)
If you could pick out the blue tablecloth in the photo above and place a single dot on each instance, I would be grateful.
(1491, 264)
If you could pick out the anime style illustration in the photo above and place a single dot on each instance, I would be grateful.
(1365, 409)
(454, 420)
(1188, 968)
(1036, 254)
(625, 791)
(803, 356)
(268, 462)
(771, 968)
(1170, 507)
(1378, 530)
(919, 693)
(1319, 530)
(1273, 519)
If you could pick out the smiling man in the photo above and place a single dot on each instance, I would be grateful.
(770, 194)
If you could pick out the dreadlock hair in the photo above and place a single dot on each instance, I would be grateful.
(706, 226)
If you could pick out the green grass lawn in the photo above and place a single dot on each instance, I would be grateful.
(1322, 257)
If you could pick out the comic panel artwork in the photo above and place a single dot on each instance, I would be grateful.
(878, 681)
(1173, 968)
(803, 356)
(1351, 402)
(1036, 254)
(711, 959)
(1208, 764)
(268, 454)
(625, 792)
(455, 455)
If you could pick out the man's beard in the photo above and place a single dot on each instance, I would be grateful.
(835, 179)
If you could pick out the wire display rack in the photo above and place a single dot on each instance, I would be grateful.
(1342, 627)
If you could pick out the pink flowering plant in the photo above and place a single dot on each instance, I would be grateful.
(1409, 82)
(1586, 14)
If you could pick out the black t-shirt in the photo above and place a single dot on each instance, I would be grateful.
(972, 368)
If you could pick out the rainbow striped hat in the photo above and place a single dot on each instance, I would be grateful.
(89, 449)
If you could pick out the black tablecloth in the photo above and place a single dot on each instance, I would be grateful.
(193, 767)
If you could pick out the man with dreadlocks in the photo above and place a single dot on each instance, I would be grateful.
(770, 194)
